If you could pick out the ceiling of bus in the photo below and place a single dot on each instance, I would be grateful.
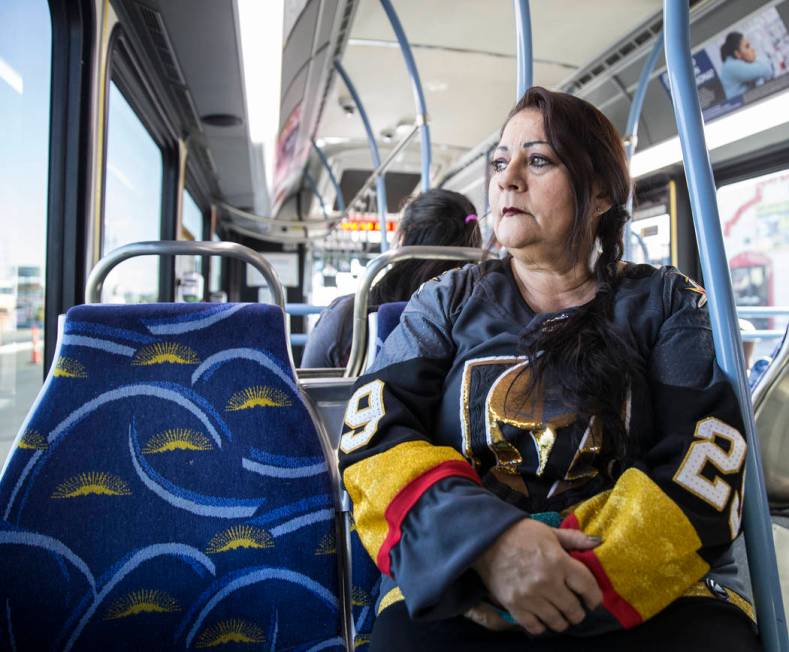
(465, 53)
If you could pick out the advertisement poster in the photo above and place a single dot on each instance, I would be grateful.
(743, 64)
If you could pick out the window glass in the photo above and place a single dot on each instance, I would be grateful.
(755, 220)
(132, 204)
(215, 287)
(650, 237)
(188, 275)
(25, 54)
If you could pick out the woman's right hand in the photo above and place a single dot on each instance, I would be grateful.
(528, 571)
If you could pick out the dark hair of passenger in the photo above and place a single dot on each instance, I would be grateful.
(434, 217)
(731, 45)
(591, 363)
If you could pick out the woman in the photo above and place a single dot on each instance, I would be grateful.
(740, 70)
(546, 440)
(435, 217)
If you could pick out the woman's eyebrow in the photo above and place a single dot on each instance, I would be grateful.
(529, 143)
(525, 145)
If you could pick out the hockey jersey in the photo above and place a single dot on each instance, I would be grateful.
(441, 452)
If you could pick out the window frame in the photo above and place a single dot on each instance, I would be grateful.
(137, 87)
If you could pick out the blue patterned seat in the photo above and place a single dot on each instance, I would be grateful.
(169, 491)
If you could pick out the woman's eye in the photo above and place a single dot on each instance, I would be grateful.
(538, 161)
(498, 165)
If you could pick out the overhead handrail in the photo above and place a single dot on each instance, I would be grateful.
(326, 166)
(373, 269)
(383, 167)
(525, 57)
(328, 221)
(99, 272)
(380, 186)
(422, 118)
(723, 317)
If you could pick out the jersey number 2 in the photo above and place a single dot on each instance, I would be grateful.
(715, 492)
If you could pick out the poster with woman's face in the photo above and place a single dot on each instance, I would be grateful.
(744, 63)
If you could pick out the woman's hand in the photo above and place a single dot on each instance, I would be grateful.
(529, 573)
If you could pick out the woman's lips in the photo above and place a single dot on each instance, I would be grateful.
(510, 211)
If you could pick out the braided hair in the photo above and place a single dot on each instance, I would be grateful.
(584, 355)
(434, 217)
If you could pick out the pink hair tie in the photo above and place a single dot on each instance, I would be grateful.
(471, 218)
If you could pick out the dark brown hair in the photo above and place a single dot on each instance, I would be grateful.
(590, 361)
(434, 217)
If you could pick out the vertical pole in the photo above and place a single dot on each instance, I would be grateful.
(416, 87)
(380, 188)
(723, 318)
(631, 131)
(523, 47)
(314, 190)
(332, 178)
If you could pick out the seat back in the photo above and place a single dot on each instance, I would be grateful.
(771, 410)
(169, 489)
(382, 324)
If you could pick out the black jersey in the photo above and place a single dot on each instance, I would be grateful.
(441, 453)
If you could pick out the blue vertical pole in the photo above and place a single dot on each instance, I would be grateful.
(631, 131)
(723, 318)
(523, 47)
(416, 87)
(314, 189)
(380, 188)
(332, 178)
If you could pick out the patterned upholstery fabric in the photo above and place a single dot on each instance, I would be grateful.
(168, 491)
(366, 580)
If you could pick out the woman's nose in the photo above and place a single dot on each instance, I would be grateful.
(511, 178)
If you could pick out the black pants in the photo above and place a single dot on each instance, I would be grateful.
(687, 625)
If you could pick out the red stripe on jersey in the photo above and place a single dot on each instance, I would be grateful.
(621, 609)
(408, 496)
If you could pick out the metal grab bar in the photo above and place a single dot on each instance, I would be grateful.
(723, 317)
(416, 87)
(380, 186)
(182, 248)
(375, 267)
(525, 79)
(763, 311)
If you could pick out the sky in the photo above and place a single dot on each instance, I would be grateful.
(25, 52)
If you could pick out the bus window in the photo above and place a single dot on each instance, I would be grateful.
(755, 219)
(132, 204)
(25, 61)
(188, 275)
(215, 276)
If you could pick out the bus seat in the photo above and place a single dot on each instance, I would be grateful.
(760, 365)
(366, 589)
(771, 410)
(169, 490)
(385, 321)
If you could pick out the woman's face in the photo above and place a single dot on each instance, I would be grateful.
(531, 197)
(745, 51)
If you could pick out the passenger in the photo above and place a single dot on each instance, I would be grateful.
(546, 443)
(435, 217)
(740, 70)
